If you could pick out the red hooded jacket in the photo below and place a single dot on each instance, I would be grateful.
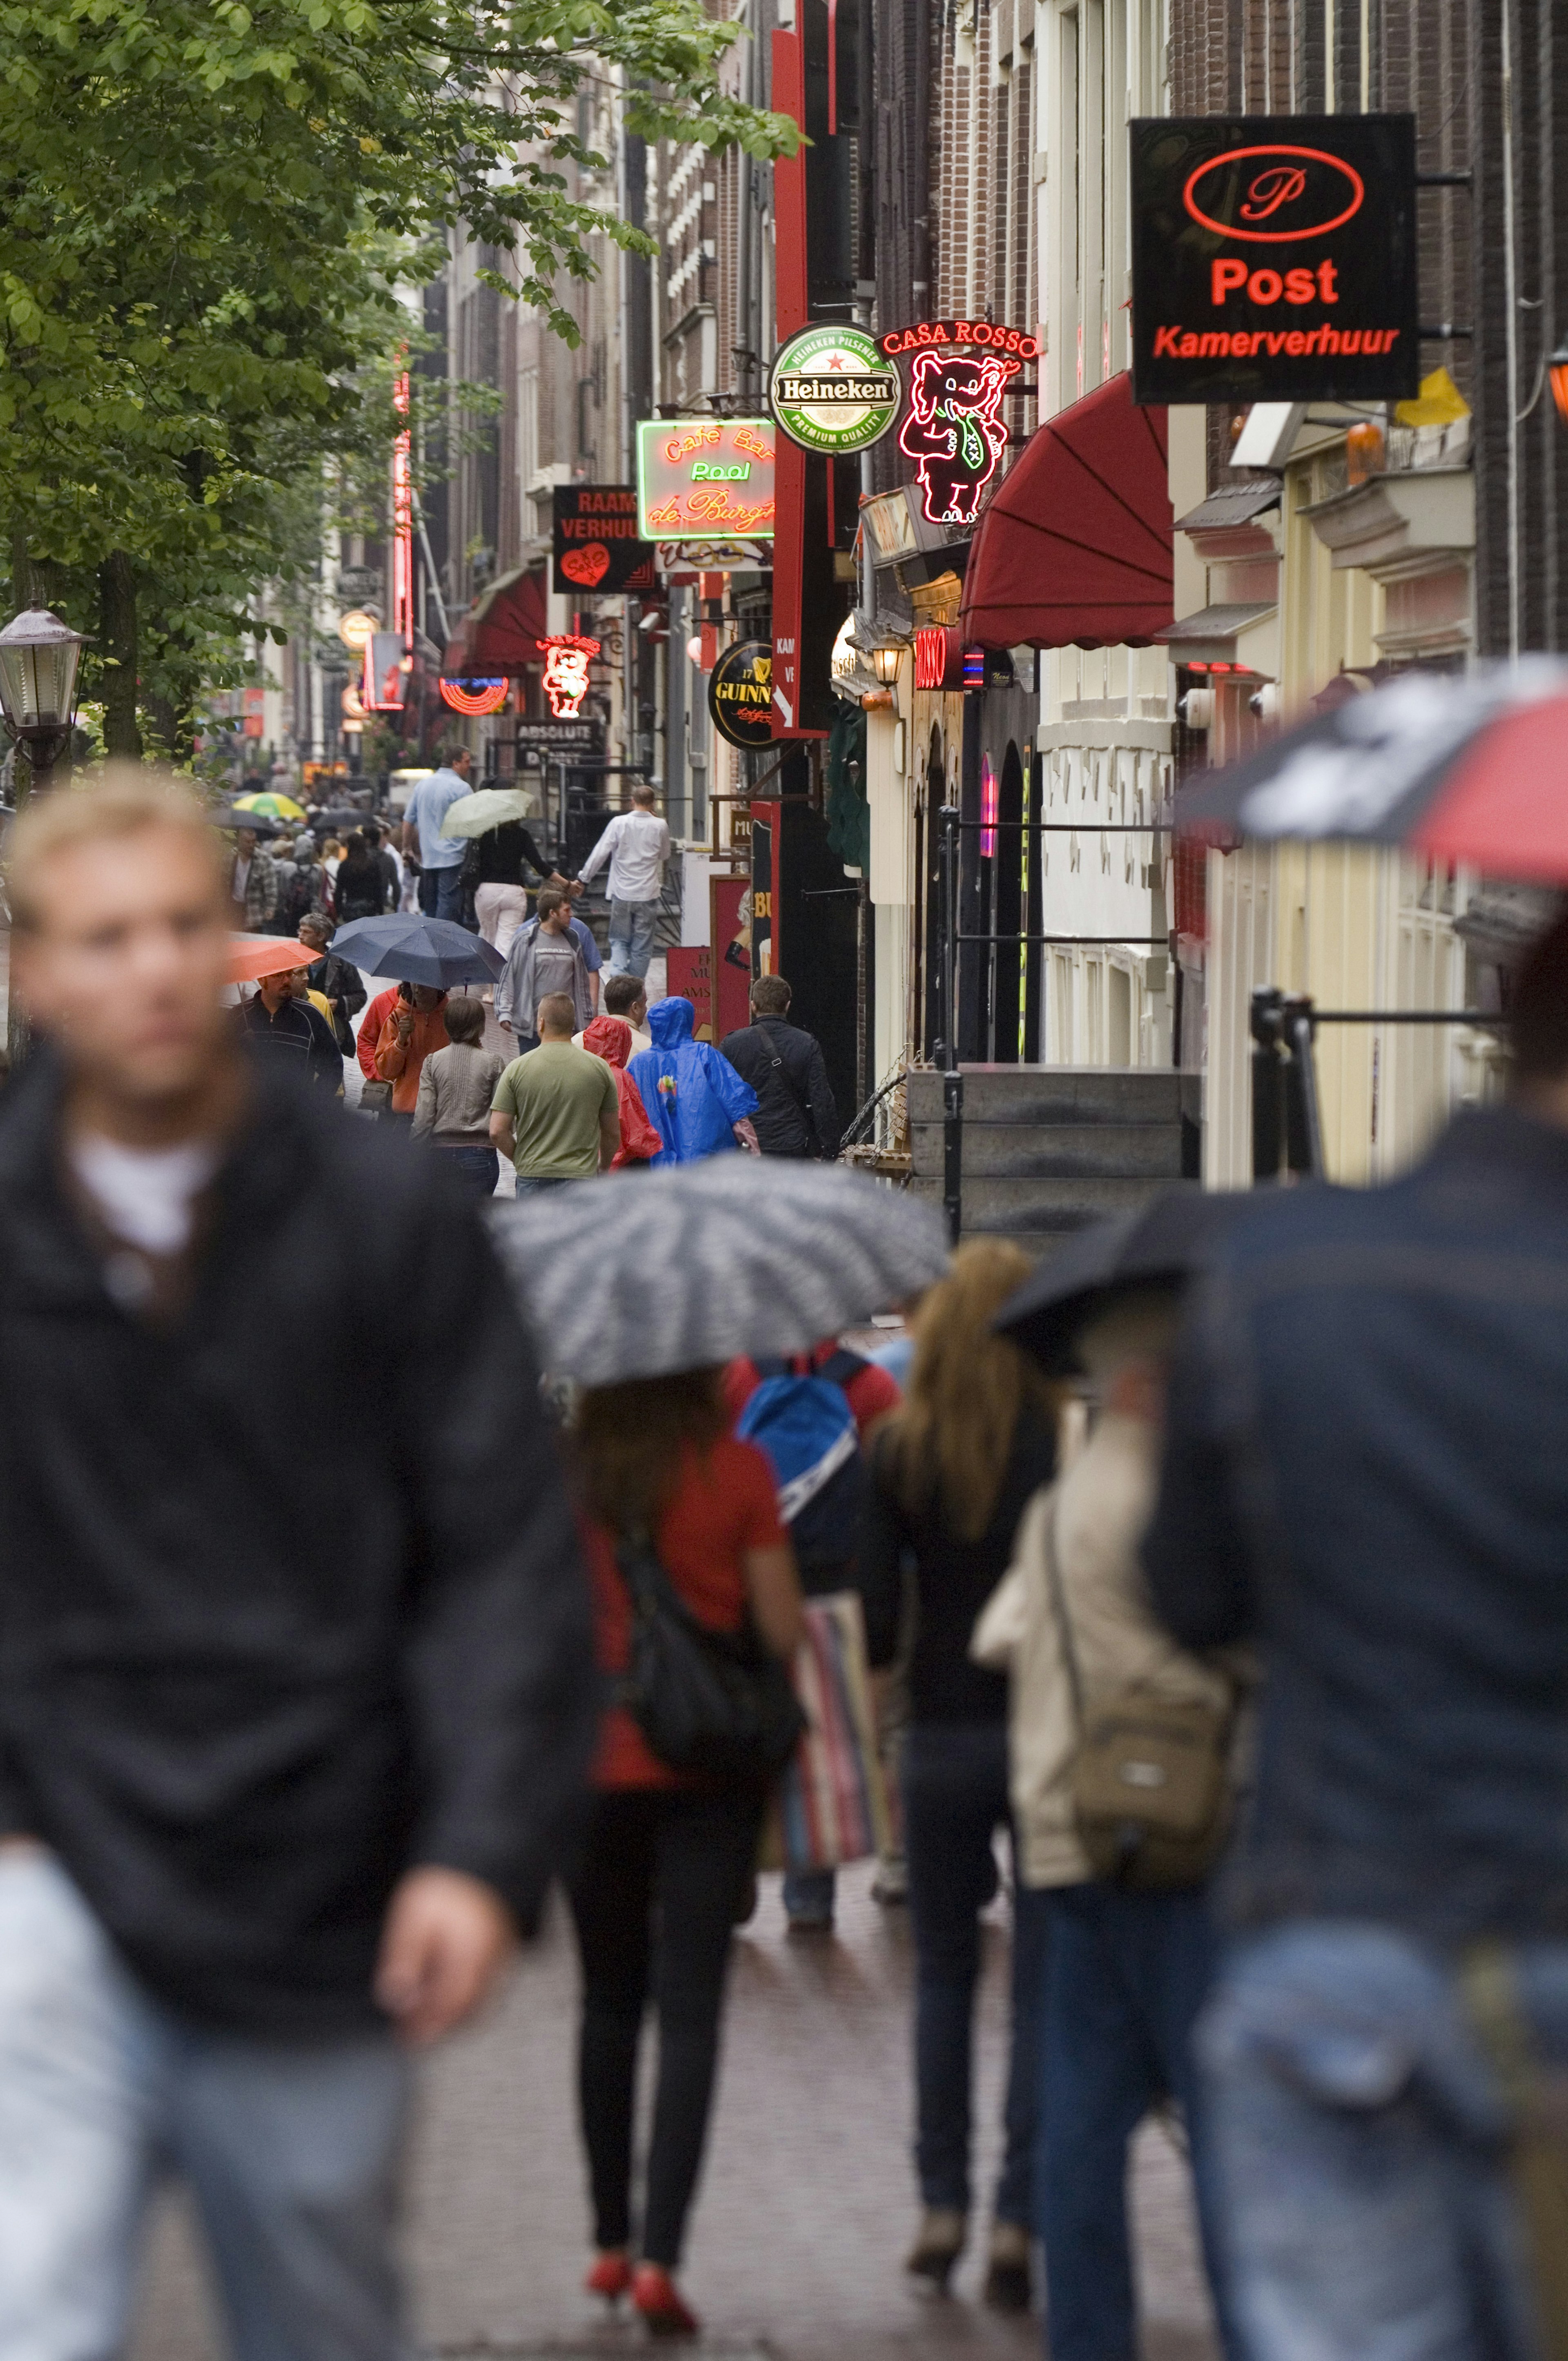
(609, 1038)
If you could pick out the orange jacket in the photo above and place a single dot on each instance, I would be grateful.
(399, 1062)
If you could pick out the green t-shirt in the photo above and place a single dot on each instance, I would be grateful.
(555, 1095)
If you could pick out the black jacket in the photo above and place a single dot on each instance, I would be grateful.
(795, 1115)
(338, 983)
(501, 855)
(1365, 1471)
(295, 1036)
(246, 1681)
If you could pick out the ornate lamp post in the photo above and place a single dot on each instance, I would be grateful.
(39, 656)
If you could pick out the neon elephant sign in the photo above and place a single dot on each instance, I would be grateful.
(953, 432)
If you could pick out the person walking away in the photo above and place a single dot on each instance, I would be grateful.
(609, 1038)
(261, 1833)
(280, 1027)
(455, 1087)
(668, 1856)
(499, 861)
(783, 1063)
(545, 959)
(556, 1113)
(694, 1096)
(307, 890)
(253, 884)
(952, 1473)
(335, 979)
(626, 996)
(413, 1022)
(360, 890)
(1364, 1474)
(636, 844)
(386, 859)
(1128, 1941)
(440, 857)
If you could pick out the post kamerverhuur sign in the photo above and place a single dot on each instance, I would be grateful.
(1274, 259)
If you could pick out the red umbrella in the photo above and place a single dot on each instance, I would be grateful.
(1470, 767)
(254, 956)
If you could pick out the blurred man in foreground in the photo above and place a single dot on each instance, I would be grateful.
(283, 1759)
(1365, 1468)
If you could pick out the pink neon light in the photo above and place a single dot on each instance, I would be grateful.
(990, 804)
(952, 432)
(402, 521)
(568, 656)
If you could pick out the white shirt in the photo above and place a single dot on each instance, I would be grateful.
(637, 845)
(241, 879)
(145, 1195)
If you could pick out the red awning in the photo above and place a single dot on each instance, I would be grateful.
(1074, 550)
(501, 631)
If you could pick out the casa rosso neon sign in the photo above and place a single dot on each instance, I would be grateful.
(568, 656)
(959, 371)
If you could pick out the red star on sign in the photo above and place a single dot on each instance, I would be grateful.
(837, 362)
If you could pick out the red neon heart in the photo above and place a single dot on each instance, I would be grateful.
(588, 566)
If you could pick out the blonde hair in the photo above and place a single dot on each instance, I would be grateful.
(126, 802)
(953, 1435)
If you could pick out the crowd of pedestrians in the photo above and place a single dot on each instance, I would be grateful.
(1229, 1647)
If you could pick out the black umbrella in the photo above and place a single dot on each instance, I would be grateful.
(1160, 1245)
(342, 819)
(258, 823)
(417, 951)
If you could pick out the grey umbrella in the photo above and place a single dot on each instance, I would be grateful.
(1164, 1243)
(638, 1275)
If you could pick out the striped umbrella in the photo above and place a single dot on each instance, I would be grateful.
(638, 1276)
(1470, 767)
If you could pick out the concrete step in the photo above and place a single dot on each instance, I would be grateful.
(1055, 1094)
(1056, 1151)
(1041, 1208)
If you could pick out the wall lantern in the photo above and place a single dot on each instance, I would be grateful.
(885, 662)
(39, 656)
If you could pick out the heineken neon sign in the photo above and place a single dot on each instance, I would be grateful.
(831, 390)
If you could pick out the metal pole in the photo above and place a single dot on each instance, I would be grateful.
(1300, 1034)
(952, 1079)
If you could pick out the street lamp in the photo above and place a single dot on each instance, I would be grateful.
(885, 662)
(39, 656)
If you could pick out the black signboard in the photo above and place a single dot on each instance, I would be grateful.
(740, 694)
(558, 741)
(598, 550)
(1274, 259)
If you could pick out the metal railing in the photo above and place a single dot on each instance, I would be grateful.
(1287, 1119)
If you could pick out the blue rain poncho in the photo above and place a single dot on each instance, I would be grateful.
(691, 1092)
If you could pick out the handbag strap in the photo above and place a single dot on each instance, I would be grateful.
(1059, 1611)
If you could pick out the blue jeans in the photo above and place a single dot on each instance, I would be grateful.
(441, 892)
(290, 2149)
(1359, 2143)
(955, 1799)
(1125, 1977)
(476, 1167)
(632, 926)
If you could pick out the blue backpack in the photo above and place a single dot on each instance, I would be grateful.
(807, 1429)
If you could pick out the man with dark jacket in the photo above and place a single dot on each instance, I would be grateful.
(1365, 1472)
(337, 983)
(795, 1115)
(282, 1028)
(284, 1758)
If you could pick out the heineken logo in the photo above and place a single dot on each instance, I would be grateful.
(832, 390)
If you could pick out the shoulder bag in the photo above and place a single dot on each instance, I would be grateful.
(716, 1702)
(1149, 1778)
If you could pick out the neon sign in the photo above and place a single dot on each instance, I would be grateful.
(1268, 193)
(383, 690)
(985, 335)
(990, 801)
(953, 432)
(705, 479)
(567, 657)
(474, 697)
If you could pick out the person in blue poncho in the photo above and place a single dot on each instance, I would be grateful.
(692, 1093)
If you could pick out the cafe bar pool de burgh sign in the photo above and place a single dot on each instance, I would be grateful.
(1274, 259)
(704, 478)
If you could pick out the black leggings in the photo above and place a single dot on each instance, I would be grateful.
(655, 1900)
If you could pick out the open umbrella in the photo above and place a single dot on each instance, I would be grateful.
(236, 816)
(1470, 767)
(485, 808)
(254, 956)
(685, 1269)
(1162, 1242)
(417, 951)
(274, 806)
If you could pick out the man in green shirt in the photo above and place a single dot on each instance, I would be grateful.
(555, 1111)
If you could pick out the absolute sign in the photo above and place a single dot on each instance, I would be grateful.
(1274, 259)
(705, 479)
(595, 543)
(959, 373)
(831, 390)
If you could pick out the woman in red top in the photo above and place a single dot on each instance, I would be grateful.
(667, 1856)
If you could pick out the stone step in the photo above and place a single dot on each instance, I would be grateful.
(1056, 1151)
(1041, 1208)
(1055, 1094)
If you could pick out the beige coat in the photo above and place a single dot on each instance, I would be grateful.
(1099, 1511)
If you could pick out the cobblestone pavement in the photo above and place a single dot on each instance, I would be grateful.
(807, 2204)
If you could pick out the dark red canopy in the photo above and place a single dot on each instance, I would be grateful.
(1075, 548)
(501, 631)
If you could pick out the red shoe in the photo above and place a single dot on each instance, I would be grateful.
(656, 2297)
(610, 2277)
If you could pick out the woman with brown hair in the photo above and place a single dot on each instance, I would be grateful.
(952, 1471)
(667, 1856)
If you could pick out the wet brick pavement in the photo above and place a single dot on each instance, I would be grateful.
(807, 2204)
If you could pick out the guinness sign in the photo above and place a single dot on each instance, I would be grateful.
(741, 692)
